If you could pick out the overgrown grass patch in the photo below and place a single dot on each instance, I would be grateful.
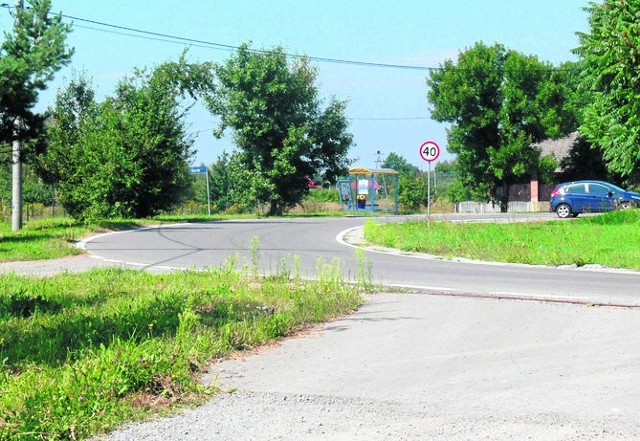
(610, 239)
(82, 353)
(41, 239)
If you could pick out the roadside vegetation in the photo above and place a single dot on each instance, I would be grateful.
(82, 353)
(41, 239)
(610, 239)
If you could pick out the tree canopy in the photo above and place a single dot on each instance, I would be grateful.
(29, 57)
(124, 157)
(611, 60)
(285, 136)
(400, 164)
(498, 103)
(227, 176)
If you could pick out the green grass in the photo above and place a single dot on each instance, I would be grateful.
(82, 353)
(45, 239)
(611, 239)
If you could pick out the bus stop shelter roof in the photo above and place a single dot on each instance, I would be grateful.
(372, 171)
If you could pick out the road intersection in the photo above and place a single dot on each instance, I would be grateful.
(466, 362)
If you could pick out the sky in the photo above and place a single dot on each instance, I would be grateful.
(387, 107)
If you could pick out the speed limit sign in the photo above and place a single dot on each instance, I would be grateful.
(429, 151)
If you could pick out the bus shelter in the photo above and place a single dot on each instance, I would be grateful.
(370, 190)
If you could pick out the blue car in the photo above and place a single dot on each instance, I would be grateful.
(572, 198)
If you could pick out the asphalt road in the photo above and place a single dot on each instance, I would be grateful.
(313, 239)
(408, 366)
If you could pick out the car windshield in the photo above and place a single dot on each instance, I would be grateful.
(616, 188)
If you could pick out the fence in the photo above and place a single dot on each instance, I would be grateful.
(489, 207)
(31, 211)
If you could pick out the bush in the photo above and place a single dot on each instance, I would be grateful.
(324, 195)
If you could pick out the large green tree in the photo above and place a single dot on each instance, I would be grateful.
(611, 60)
(29, 57)
(126, 156)
(285, 136)
(498, 103)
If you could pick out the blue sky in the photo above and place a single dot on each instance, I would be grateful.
(388, 107)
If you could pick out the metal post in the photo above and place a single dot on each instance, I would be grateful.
(397, 179)
(372, 192)
(16, 169)
(208, 194)
(429, 195)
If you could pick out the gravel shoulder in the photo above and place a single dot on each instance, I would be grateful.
(412, 367)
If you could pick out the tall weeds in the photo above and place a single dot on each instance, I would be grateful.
(81, 353)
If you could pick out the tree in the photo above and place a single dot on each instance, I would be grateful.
(272, 107)
(29, 57)
(28, 60)
(124, 157)
(227, 178)
(412, 190)
(412, 184)
(34, 189)
(611, 60)
(400, 164)
(499, 102)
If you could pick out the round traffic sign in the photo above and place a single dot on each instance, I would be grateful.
(429, 151)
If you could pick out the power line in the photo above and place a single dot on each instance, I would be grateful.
(210, 44)
(164, 40)
(176, 39)
(159, 36)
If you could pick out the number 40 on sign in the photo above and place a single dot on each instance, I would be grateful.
(429, 151)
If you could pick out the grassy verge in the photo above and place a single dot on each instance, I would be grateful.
(46, 239)
(610, 239)
(83, 353)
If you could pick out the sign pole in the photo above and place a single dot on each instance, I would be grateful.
(208, 193)
(429, 195)
(429, 152)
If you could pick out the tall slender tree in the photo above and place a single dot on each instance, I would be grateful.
(29, 57)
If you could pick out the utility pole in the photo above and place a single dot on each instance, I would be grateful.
(378, 159)
(16, 181)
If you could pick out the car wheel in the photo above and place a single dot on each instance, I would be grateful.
(563, 211)
(624, 205)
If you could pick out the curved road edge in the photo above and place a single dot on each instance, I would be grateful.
(354, 238)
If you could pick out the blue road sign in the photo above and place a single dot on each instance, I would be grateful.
(201, 169)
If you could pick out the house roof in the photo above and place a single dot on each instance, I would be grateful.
(558, 148)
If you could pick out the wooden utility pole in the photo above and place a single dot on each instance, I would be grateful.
(16, 193)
